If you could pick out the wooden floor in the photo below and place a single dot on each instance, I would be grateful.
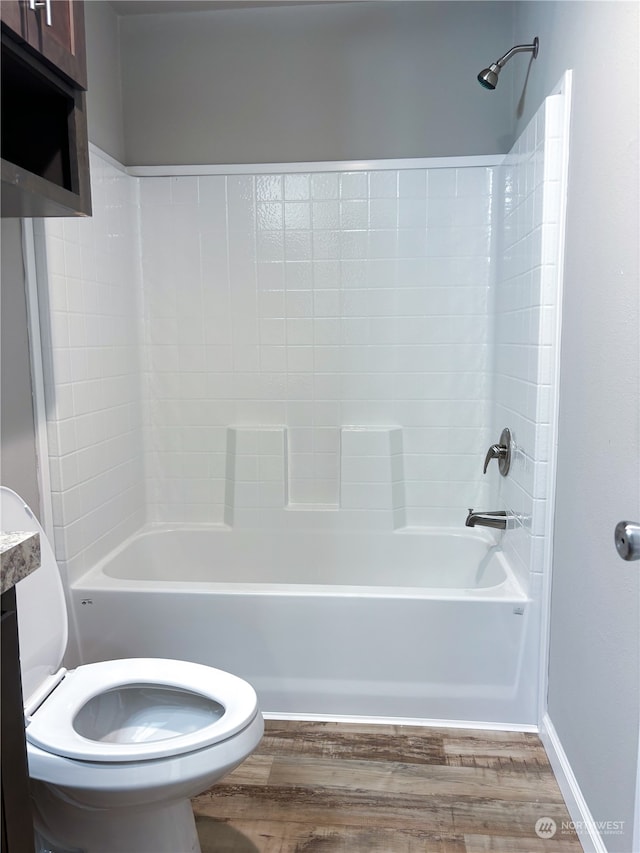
(334, 788)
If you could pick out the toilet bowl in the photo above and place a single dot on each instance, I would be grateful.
(116, 749)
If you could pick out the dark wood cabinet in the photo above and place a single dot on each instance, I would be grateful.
(45, 149)
(53, 30)
(13, 14)
(17, 823)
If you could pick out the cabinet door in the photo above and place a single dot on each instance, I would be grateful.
(13, 14)
(55, 28)
(17, 822)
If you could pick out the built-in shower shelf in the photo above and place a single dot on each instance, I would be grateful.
(371, 475)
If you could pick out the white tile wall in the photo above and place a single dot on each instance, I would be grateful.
(525, 328)
(90, 321)
(315, 301)
(302, 303)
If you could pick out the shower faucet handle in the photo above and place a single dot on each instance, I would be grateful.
(494, 452)
(501, 452)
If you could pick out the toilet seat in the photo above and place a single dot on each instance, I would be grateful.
(117, 749)
(52, 729)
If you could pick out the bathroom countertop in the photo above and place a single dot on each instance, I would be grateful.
(19, 556)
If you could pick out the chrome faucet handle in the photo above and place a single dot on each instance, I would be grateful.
(494, 452)
(501, 452)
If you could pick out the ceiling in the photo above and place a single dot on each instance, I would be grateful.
(154, 7)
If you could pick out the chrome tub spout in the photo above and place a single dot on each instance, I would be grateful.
(498, 519)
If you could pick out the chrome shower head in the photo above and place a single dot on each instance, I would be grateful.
(488, 77)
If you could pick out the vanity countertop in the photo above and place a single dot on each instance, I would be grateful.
(19, 556)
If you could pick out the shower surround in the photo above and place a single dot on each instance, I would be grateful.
(327, 347)
(284, 313)
(308, 341)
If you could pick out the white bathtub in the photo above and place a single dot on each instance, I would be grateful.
(412, 625)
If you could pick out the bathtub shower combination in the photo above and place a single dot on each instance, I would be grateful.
(406, 625)
(269, 397)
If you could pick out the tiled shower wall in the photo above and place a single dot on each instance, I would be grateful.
(528, 281)
(349, 317)
(89, 319)
(318, 302)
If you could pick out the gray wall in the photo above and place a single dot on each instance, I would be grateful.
(333, 82)
(18, 453)
(104, 96)
(595, 639)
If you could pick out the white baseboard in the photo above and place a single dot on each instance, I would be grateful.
(581, 817)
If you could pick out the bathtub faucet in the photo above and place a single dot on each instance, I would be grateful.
(487, 519)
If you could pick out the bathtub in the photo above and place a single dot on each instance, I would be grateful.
(412, 625)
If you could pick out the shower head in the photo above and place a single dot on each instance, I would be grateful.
(488, 77)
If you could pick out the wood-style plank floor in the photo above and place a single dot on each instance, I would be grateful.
(336, 788)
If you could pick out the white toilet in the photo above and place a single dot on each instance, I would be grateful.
(117, 748)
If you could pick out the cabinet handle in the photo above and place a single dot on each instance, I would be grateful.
(42, 4)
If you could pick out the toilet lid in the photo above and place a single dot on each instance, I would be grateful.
(141, 708)
(42, 612)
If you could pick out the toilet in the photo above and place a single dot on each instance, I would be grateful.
(116, 749)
